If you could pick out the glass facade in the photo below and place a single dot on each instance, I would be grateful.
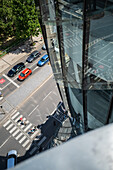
(79, 36)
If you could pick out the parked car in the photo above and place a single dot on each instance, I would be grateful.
(33, 56)
(11, 159)
(43, 60)
(17, 68)
(24, 74)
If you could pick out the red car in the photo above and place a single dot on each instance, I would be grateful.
(24, 74)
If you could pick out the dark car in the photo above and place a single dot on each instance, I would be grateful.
(43, 60)
(33, 56)
(17, 68)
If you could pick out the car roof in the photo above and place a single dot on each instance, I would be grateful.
(12, 152)
(45, 56)
(18, 65)
(34, 52)
(24, 71)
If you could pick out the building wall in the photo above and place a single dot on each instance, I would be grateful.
(80, 45)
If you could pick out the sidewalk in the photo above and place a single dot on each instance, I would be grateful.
(13, 57)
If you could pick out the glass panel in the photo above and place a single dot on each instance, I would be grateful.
(99, 66)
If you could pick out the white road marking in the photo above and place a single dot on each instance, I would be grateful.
(9, 126)
(47, 95)
(34, 134)
(12, 130)
(33, 110)
(6, 123)
(22, 139)
(28, 147)
(19, 136)
(15, 115)
(27, 127)
(18, 118)
(11, 81)
(26, 143)
(15, 132)
(35, 68)
(5, 142)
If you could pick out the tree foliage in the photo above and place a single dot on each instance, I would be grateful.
(6, 18)
(19, 17)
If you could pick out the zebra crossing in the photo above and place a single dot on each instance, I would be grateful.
(20, 131)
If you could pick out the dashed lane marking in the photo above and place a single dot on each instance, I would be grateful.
(47, 95)
(5, 142)
(33, 110)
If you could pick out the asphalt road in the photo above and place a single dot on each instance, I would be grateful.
(33, 100)
(11, 83)
(34, 111)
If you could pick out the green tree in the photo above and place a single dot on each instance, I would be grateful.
(6, 18)
(26, 18)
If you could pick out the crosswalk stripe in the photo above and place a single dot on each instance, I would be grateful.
(28, 147)
(18, 118)
(27, 127)
(27, 121)
(33, 150)
(6, 123)
(15, 132)
(12, 130)
(9, 126)
(15, 115)
(19, 136)
(22, 139)
(26, 143)
(34, 134)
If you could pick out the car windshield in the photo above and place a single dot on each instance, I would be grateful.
(22, 75)
(31, 55)
(42, 59)
(14, 70)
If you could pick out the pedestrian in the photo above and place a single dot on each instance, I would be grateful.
(22, 123)
(21, 119)
(32, 130)
(25, 123)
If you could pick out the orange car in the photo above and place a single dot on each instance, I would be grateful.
(24, 74)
